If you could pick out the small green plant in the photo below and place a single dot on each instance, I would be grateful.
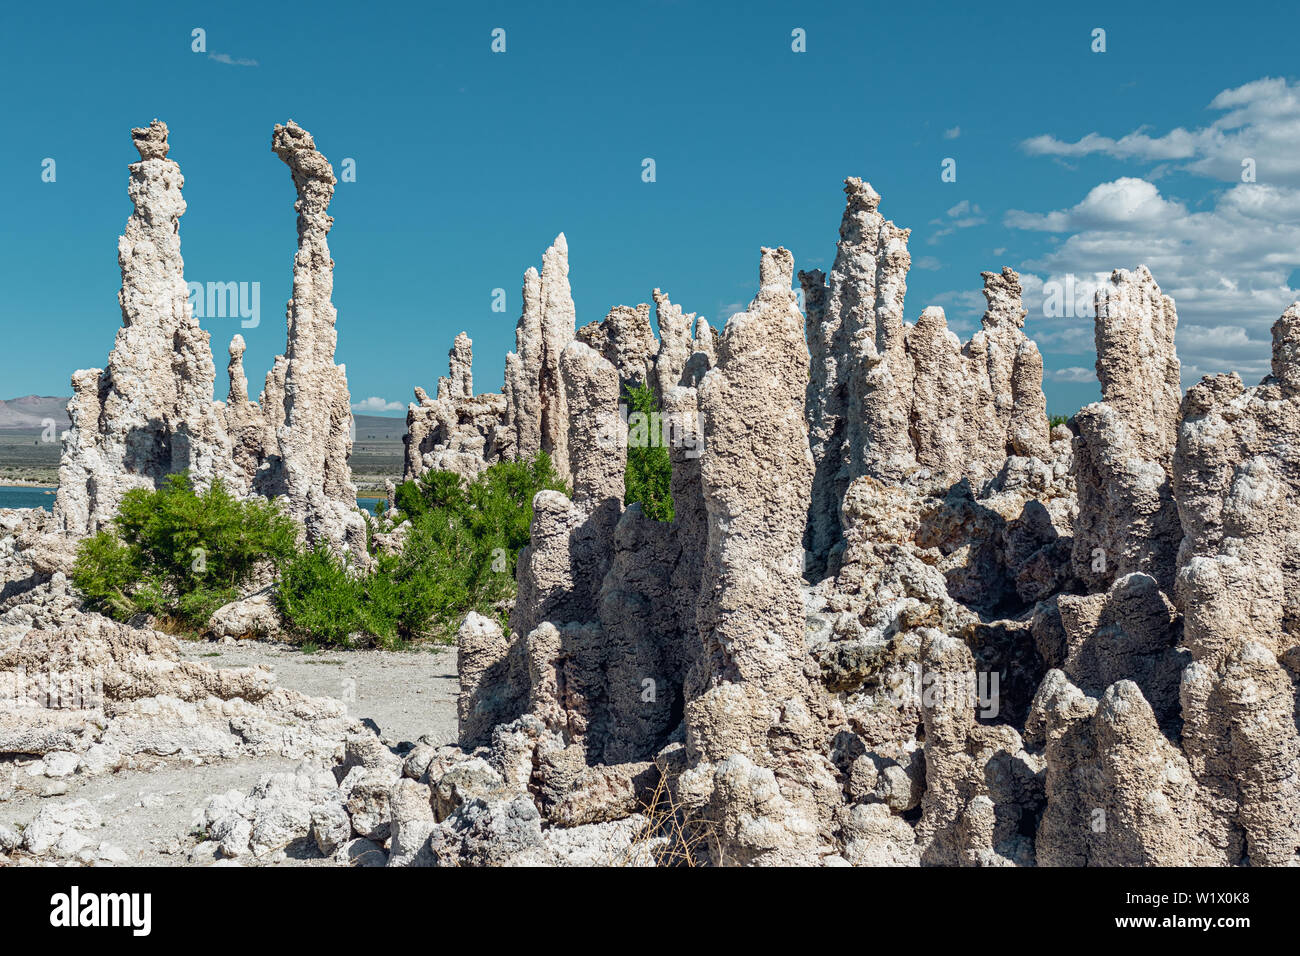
(320, 597)
(460, 555)
(1055, 420)
(179, 554)
(648, 479)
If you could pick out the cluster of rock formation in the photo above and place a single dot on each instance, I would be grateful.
(457, 431)
(951, 656)
(151, 412)
(895, 620)
(888, 399)
(464, 433)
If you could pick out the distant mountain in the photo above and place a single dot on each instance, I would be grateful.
(379, 428)
(32, 411)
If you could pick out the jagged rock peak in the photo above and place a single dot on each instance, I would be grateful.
(1003, 291)
(295, 146)
(151, 140)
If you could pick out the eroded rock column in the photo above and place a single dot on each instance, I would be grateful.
(151, 412)
(315, 441)
(1237, 483)
(537, 410)
(754, 722)
(1124, 450)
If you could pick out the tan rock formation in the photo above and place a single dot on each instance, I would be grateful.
(1124, 452)
(151, 412)
(980, 783)
(315, 439)
(107, 695)
(458, 431)
(1118, 792)
(754, 721)
(537, 410)
(252, 436)
(887, 399)
(1237, 487)
(626, 341)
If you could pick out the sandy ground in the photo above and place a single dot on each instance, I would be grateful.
(150, 814)
(402, 694)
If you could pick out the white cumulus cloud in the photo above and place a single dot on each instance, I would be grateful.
(1227, 259)
(376, 404)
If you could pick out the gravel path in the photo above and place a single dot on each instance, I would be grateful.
(149, 814)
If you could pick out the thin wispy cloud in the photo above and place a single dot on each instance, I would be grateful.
(1073, 374)
(1260, 122)
(229, 60)
(964, 215)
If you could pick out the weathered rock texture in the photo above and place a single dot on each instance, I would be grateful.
(626, 341)
(875, 632)
(1124, 451)
(465, 433)
(754, 721)
(458, 431)
(1237, 485)
(252, 433)
(536, 405)
(1118, 792)
(887, 399)
(82, 689)
(150, 413)
(955, 688)
(315, 440)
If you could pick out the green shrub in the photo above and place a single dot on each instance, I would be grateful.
(1055, 420)
(460, 555)
(177, 553)
(648, 479)
(320, 597)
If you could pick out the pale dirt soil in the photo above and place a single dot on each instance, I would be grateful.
(149, 813)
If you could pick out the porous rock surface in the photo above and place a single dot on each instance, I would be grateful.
(457, 430)
(310, 467)
(83, 692)
(150, 413)
(465, 433)
(1125, 445)
(933, 678)
(876, 631)
(888, 399)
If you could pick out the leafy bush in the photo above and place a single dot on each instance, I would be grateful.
(320, 596)
(460, 555)
(648, 479)
(1055, 420)
(177, 553)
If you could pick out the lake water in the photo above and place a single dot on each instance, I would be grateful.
(26, 498)
(43, 498)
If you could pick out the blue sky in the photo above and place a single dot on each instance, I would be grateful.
(469, 162)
